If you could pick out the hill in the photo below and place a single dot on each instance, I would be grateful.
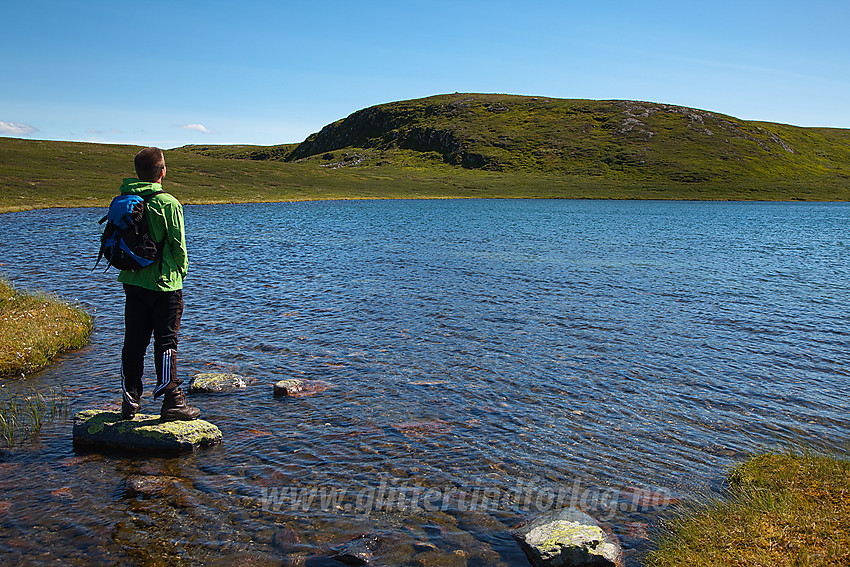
(466, 145)
(614, 139)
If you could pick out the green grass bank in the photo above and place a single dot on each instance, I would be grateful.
(783, 509)
(35, 328)
(43, 174)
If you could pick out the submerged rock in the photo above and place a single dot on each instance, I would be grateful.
(423, 429)
(216, 382)
(149, 485)
(248, 559)
(286, 539)
(364, 549)
(97, 428)
(568, 537)
(642, 499)
(64, 493)
(159, 486)
(297, 388)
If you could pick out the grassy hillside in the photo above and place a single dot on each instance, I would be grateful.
(626, 140)
(466, 146)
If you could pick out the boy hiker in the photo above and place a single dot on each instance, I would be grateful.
(154, 296)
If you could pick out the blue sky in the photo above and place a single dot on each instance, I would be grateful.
(181, 72)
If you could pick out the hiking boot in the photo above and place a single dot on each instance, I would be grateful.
(175, 408)
(129, 408)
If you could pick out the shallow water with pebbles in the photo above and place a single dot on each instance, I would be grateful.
(486, 360)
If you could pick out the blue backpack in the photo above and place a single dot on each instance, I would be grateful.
(126, 242)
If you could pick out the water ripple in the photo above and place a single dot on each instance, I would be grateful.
(471, 345)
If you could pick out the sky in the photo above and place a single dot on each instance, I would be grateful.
(170, 73)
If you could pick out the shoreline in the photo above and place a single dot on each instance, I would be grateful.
(212, 202)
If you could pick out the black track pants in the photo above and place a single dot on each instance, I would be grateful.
(149, 312)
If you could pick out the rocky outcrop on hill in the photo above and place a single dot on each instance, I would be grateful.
(380, 127)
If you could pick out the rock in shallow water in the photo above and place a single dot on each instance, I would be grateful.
(97, 428)
(363, 550)
(568, 537)
(214, 383)
(149, 485)
(297, 388)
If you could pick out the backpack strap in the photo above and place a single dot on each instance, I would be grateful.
(99, 256)
(154, 194)
(160, 246)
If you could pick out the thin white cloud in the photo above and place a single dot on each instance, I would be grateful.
(16, 128)
(198, 127)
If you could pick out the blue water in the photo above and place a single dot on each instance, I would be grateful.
(529, 349)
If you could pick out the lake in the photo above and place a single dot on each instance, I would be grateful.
(489, 360)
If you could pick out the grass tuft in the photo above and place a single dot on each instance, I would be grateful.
(35, 328)
(23, 414)
(790, 508)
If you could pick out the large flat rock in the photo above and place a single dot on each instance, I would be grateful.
(98, 428)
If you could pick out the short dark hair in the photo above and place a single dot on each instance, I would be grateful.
(149, 164)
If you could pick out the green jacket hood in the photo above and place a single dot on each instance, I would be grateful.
(132, 186)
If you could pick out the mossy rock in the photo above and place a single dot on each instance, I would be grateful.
(217, 382)
(568, 537)
(98, 428)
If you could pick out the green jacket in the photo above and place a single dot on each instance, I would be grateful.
(165, 223)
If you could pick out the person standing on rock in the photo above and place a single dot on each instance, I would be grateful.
(154, 296)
